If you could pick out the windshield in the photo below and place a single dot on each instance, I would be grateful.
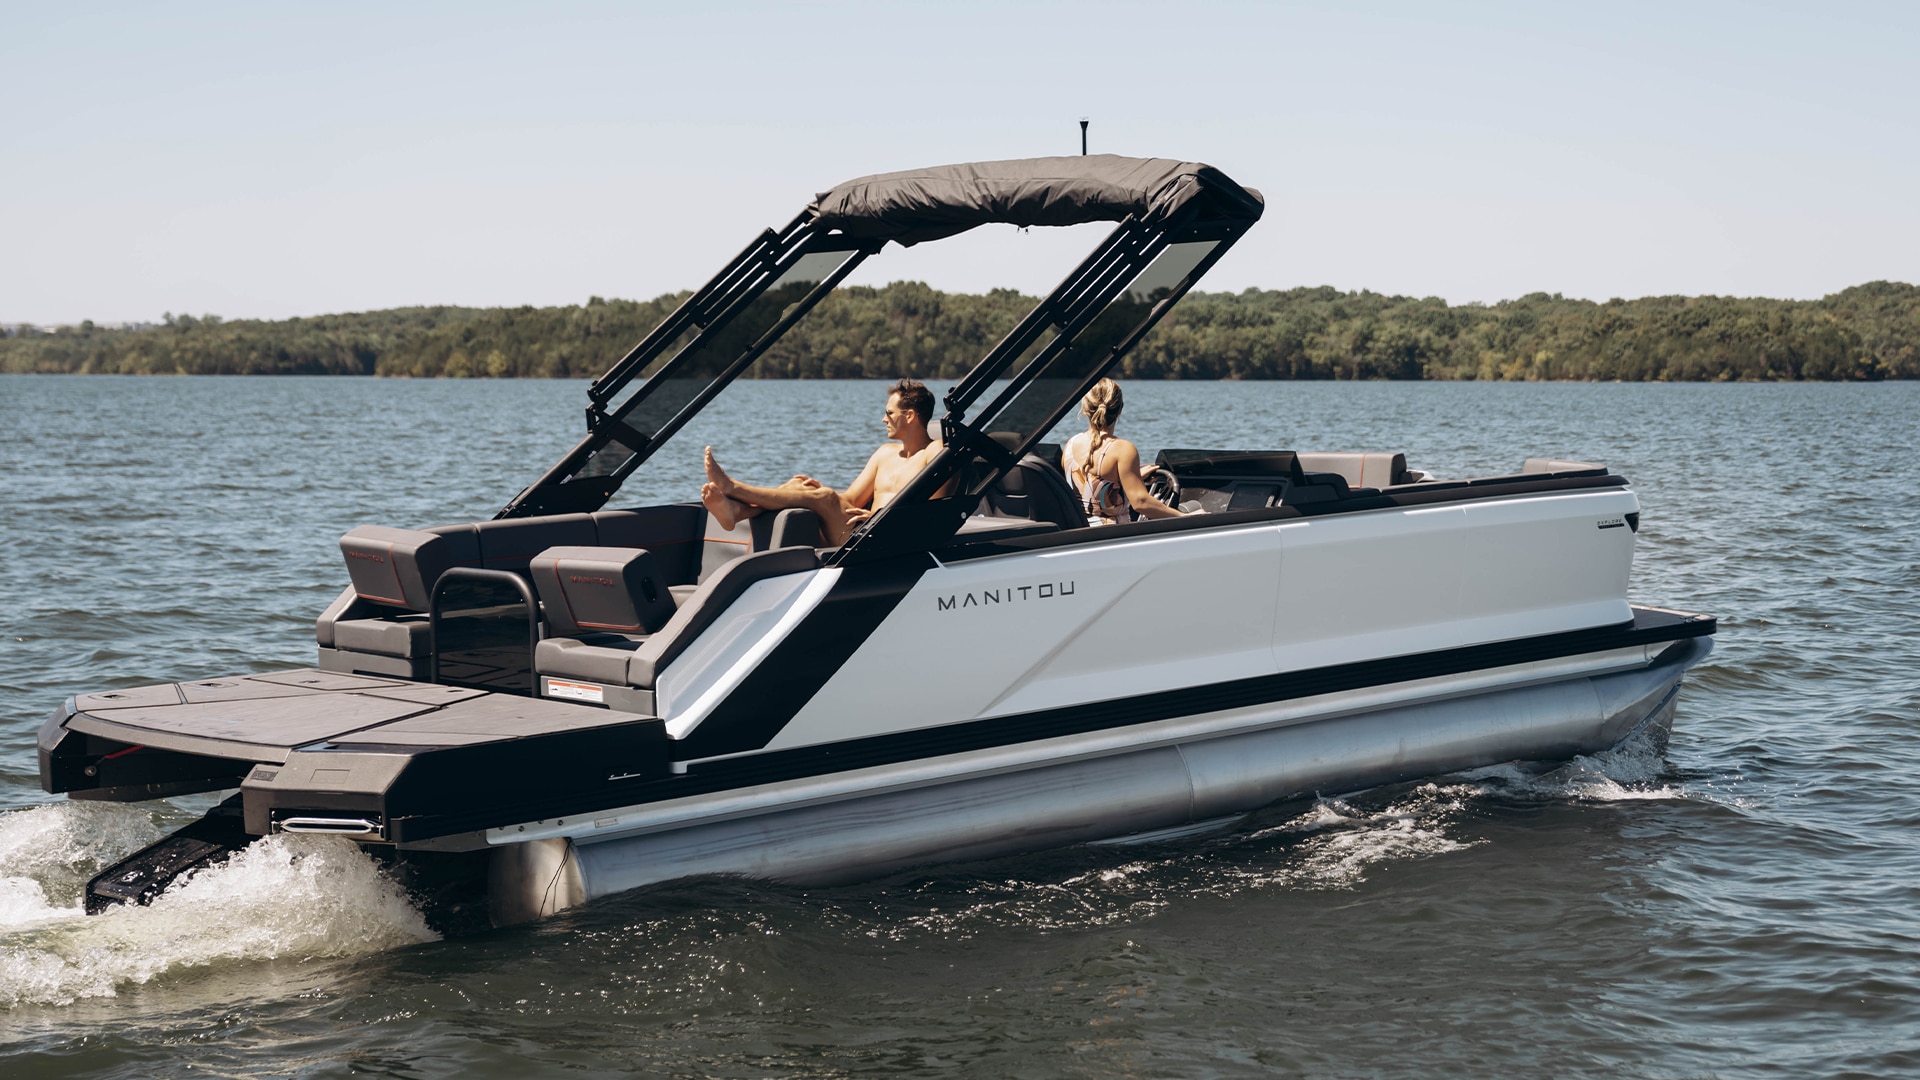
(1032, 409)
(694, 373)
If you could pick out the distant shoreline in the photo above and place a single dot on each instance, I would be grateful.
(1865, 333)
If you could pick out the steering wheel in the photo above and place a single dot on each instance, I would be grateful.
(1162, 485)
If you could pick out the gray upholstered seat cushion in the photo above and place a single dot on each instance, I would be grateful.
(1374, 470)
(603, 659)
(1558, 465)
(510, 544)
(672, 533)
(794, 527)
(398, 567)
(408, 636)
(347, 605)
(617, 589)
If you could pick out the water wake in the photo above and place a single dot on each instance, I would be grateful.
(47, 853)
(1634, 771)
(1330, 843)
(282, 897)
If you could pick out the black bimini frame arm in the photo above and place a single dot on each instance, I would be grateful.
(1070, 341)
(719, 330)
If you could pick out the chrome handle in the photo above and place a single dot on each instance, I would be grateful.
(337, 826)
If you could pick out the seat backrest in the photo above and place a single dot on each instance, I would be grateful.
(698, 611)
(586, 589)
(1374, 470)
(719, 546)
(794, 527)
(1033, 489)
(397, 568)
(671, 533)
(511, 543)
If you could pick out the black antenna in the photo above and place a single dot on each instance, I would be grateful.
(1083, 136)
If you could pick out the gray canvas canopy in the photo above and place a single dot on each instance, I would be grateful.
(928, 204)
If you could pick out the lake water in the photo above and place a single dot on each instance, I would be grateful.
(1745, 903)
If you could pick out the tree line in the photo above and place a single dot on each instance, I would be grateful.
(1870, 331)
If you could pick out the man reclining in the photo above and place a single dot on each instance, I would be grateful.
(888, 471)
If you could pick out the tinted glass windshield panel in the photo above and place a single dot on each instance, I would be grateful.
(1032, 410)
(659, 403)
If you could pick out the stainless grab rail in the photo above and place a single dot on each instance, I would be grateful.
(497, 577)
(333, 826)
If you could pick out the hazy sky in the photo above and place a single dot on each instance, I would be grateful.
(255, 160)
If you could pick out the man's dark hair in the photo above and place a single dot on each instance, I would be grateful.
(914, 395)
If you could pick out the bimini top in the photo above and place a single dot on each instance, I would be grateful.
(1175, 220)
(928, 204)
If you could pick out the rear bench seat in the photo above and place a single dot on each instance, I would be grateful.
(379, 625)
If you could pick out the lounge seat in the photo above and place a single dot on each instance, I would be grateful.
(636, 659)
(605, 589)
(671, 533)
(393, 571)
(596, 658)
(1037, 491)
(379, 624)
(1360, 470)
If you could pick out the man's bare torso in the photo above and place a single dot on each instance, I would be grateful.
(894, 469)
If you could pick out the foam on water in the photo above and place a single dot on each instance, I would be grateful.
(47, 853)
(1331, 845)
(1340, 839)
(1634, 771)
(23, 900)
(282, 897)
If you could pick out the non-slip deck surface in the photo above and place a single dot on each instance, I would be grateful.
(288, 709)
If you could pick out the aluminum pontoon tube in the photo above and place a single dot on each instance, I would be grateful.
(1101, 798)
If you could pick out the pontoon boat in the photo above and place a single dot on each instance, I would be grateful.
(587, 699)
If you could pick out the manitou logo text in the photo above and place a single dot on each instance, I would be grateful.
(1008, 594)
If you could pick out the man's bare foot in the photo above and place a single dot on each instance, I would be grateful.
(717, 504)
(717, 476)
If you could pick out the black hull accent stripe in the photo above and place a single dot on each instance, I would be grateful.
(782, 684)
(1649, 627)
